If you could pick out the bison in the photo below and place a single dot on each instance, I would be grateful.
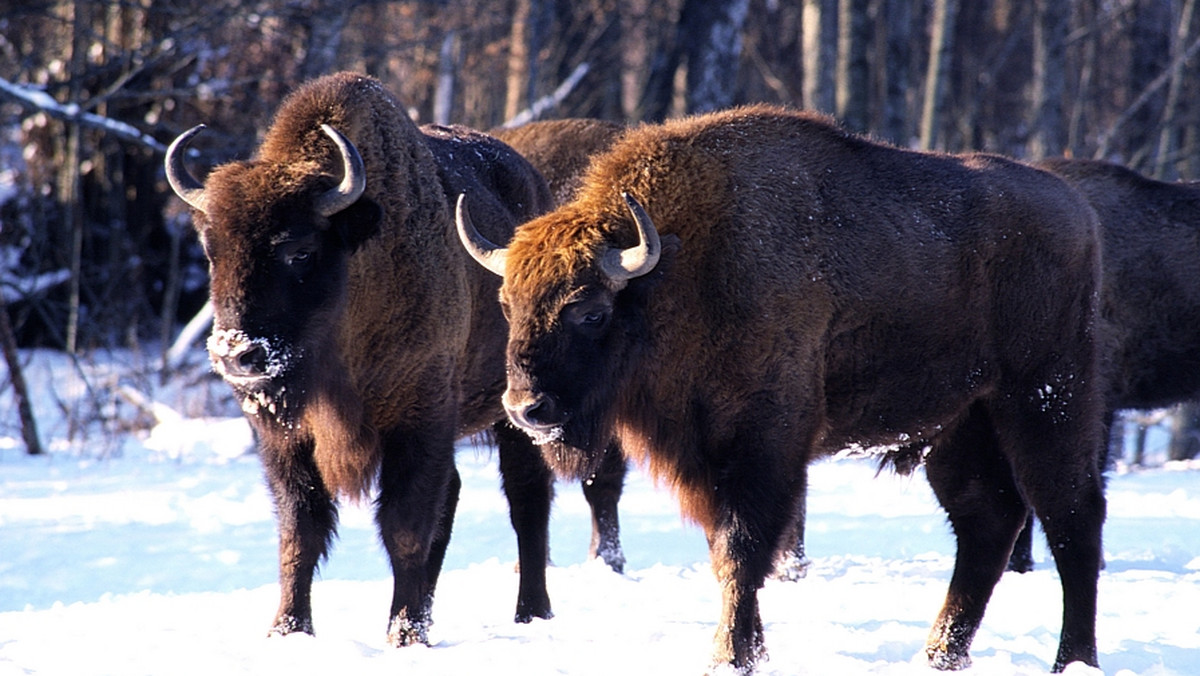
(735, 294)
(560, 150)
(1150, 295)
(360, 338)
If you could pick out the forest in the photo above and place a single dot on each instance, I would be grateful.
(96, 252)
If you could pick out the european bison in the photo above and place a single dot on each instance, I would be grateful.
(1150, 295)
(560, 150)
(735, 294)
(360, 338)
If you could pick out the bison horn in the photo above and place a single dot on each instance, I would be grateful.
(481, 248)
(182, 182)
(354, 177)
(625, 264)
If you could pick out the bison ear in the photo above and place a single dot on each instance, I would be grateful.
(357, 223)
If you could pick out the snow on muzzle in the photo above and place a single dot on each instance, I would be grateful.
(246, 361)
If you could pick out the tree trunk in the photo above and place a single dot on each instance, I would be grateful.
(1170, 131)
(941, 50)
(1049, 77)
(1185, 432)
(1150, 37)
(899, 20)
(443, 97)
(713, 30)
(325, 22)
(522, 62)
(820, 28)
(854, 36)
(17, 379)
(662, 61)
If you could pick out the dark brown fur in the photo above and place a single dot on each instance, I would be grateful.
(561, 149)
(383, 339)
(818, 291)
(1151, 293)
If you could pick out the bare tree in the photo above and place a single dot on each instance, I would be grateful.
(1049, 78)
(897, 73)
(820, 27)
(941, 46)
(714, 47)
(16, 378)
(854, 37)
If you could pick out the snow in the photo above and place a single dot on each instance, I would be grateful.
(159, 557)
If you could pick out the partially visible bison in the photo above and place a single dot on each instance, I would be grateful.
(1150, 296)
(560, 150)
(733, 295)
(360, 338)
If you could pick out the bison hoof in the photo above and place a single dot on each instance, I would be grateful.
(1020, 563)
(746, 667)
(403, 632)
(791, 568)
(287, 624)
(525, 617)
(943, 660)
(613, 557)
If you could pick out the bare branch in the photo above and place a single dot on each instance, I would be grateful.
(547, 102)
(39, 101)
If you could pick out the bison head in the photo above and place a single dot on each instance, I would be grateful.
(576, 310)
(277, 235)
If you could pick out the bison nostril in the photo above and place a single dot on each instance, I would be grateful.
(542, 412)
(252, 361)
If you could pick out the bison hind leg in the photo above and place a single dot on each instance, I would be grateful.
(974, 484)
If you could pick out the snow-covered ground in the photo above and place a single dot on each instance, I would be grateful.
(154, 553)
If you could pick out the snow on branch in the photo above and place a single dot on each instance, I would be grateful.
(547, 102)
(38, 100)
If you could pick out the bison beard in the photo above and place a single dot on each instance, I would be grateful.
(827, 292)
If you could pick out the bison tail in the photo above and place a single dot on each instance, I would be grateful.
(903, 460)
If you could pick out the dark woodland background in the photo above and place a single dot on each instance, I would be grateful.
(83, 199)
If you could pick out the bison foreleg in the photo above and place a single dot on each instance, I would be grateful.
(418, 492)
(603, 492)
(529, 487)
(747, 526)
(307, 517)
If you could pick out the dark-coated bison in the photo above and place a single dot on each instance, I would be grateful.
(1150, 295)
(733, 295)
(560, 150)
(360, 338)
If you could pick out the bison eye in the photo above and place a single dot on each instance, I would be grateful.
(299, 257)
(589, 316)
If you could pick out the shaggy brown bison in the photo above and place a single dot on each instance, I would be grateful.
(560, 150)
(360, 338)
(735, 294)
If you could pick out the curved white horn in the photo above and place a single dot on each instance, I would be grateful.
(625, 264)
(190, 190)
(482, 249)
(354, 177)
